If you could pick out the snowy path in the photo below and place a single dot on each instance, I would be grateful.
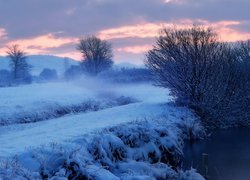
(14, 139)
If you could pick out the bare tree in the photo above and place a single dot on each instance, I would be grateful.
(97, 55)
(198, 69)
(19, 67)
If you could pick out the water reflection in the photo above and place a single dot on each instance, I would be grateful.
(228, 154)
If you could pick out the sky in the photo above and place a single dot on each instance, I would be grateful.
(54, 27)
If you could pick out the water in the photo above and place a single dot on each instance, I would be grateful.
(228, 154)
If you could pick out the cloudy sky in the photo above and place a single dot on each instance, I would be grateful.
(54, 26)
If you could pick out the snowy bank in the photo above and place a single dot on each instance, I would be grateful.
(142, 149)
(38, 102)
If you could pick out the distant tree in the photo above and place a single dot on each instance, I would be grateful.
(72, 72)
(48, 74)
(198, 69)
(97, 55)
(19, 67)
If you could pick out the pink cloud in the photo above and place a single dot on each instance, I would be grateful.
(45, 44)
(143, 30)
(40, 44)
(225, 29)
(151, 30)
(44, 41)
(135, 49)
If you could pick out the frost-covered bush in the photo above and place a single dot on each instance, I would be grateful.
(53, 110)
(107, 149)
(11, 169)
(151, 143)
(204, 74)
(143, 149)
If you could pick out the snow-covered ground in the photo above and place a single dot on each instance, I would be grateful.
(40, 98)
(28, 100)
(36, 102)
(152, 125)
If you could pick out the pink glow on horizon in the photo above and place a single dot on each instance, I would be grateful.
(135, 49)
(40, 44)
(45, 44)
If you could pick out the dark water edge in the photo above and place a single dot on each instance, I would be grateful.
(228, 154)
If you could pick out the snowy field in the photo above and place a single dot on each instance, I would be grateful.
(36, 143)
(37, 99)
(41, 98)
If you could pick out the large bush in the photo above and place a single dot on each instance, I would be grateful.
(202, 73)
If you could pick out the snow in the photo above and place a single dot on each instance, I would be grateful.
(127, 151)
(39, 97)
(38, 101)
(15, 138)
(120, 142)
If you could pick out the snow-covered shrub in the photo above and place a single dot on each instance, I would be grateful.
(133, 136)
(107, 149)
(143, 149)
(11, 169)
(51, 111)
(56, 110)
